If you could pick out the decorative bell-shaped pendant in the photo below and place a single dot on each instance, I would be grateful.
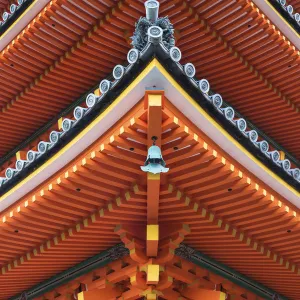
(154, 162)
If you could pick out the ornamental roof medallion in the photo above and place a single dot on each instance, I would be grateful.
(152, 25)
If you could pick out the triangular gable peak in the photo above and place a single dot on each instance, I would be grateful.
(156, 39)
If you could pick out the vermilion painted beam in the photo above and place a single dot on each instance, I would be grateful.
(154, 102)
(153, 188)
(133, 293)
(171, 294)
(103, 294)
(196, 294)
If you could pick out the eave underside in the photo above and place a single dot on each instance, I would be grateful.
(74, 215)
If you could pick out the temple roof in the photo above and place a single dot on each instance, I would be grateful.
(80, 176)
(171, 56)
(41, 65)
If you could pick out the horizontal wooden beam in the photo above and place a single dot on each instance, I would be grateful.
(196, 294)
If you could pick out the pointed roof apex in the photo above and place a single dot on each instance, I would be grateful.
(152, 28)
